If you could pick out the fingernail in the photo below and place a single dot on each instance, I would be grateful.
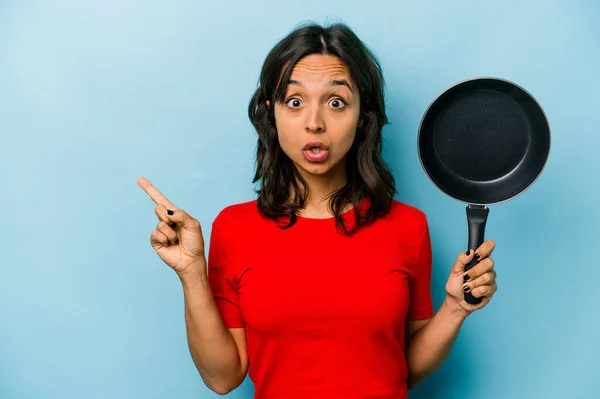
(170, 212)
(477, 256)
(173, 225)
(466, 277)
(468, 252)
(466, 288)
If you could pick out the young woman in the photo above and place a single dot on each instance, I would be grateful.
(319, 288)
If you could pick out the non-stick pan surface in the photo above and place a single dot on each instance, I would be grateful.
(484, 141)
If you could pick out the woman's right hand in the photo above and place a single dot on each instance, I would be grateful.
(177, 238)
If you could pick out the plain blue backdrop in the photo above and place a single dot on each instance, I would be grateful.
(95, 94)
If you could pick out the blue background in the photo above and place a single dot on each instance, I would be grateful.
(95, 94)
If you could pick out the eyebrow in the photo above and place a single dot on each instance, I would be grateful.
(335, 82)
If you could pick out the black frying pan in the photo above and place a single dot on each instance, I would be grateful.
(483, 141)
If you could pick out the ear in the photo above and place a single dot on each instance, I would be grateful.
(268, 104)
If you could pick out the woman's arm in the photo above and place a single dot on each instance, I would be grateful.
(219, 353)
(430, 341)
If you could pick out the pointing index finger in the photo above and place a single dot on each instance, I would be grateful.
(156, 195)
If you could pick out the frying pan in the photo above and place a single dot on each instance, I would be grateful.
(483, 141)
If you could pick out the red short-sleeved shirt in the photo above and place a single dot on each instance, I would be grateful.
(324, 313)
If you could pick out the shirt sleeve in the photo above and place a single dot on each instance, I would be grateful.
(421, 306)
(222, 277)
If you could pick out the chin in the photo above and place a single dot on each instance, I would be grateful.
(318, 169)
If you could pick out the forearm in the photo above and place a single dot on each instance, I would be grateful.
(431, 345)
(211, 345)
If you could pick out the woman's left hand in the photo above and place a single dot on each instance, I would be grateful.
(480, 281)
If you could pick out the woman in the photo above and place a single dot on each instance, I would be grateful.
(319, 288)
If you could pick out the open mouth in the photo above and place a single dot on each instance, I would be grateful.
(315, 146)
(315, 151)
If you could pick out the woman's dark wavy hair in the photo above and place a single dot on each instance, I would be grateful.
(368, 174)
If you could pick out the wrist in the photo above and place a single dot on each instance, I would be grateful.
(454, 309)
(194, 275)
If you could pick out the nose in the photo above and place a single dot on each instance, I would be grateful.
(315, 122)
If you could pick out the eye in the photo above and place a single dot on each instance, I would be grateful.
(337, 103)
(293, 102)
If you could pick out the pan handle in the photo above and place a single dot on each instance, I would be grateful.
(476, 218)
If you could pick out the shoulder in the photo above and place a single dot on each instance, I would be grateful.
(235, 214)
(411, 228)
(405, 221)
(406, 214)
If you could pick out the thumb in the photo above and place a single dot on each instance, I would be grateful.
(462, 260)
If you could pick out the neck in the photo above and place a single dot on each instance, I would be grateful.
(320, 188)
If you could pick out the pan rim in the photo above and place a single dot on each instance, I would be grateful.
(460, 83)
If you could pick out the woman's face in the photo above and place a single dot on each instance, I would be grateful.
(317, 122)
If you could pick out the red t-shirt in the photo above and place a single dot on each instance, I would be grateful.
(324, 313)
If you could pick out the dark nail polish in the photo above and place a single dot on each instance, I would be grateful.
(170, 212)
(173, 225)
(468, 252)
(466, 288)
(466, 277)
(477, 257)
